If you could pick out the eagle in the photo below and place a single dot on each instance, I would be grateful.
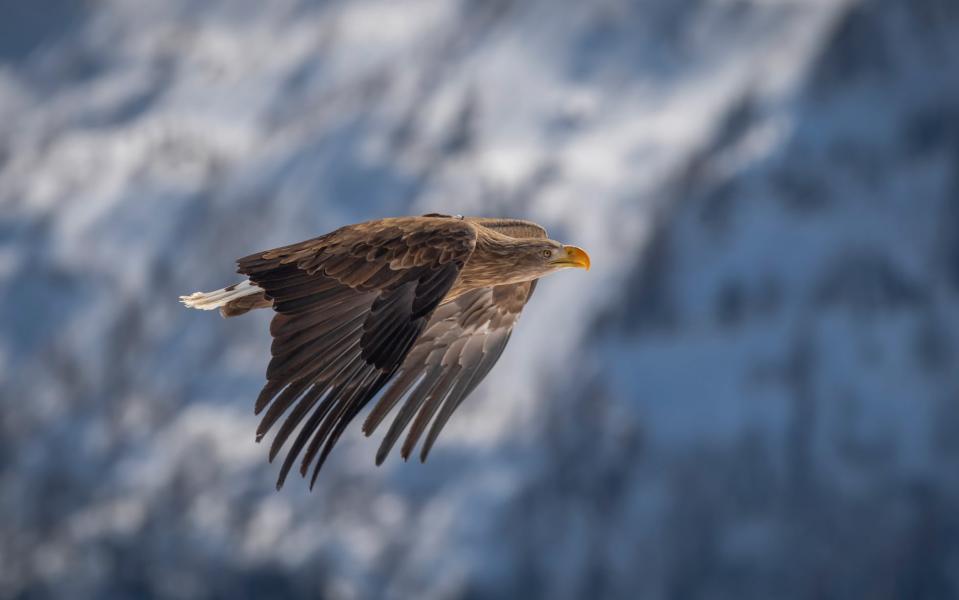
(413, 308)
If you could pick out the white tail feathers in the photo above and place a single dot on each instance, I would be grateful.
(219, 298)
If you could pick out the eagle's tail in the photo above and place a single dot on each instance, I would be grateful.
(232, 300)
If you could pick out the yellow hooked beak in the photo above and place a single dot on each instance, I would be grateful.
(575, 257)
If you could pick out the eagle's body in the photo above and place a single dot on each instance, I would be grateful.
(419, 306)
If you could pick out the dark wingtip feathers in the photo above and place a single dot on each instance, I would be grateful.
(381, 455)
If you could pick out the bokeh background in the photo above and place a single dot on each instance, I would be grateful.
(753, 394)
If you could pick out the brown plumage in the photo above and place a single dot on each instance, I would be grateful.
(419, 308)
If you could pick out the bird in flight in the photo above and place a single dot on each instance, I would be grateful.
(419, 308)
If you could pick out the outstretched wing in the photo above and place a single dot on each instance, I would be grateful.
(517, 228)
(462, 342)
(350, 306)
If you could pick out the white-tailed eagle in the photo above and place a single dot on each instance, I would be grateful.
(419, 308)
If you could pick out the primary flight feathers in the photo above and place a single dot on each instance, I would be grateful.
(419, 308)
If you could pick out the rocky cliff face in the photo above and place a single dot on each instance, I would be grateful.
(753, 393)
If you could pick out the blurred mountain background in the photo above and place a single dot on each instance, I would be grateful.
(753, 394)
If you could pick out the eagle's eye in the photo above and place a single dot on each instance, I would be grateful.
(547, 253)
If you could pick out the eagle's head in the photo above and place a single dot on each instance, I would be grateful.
(538, 257)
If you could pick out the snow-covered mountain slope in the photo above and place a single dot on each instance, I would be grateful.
(774, 409)
(753, 393)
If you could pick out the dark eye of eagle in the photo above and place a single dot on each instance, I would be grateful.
(547, 253)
